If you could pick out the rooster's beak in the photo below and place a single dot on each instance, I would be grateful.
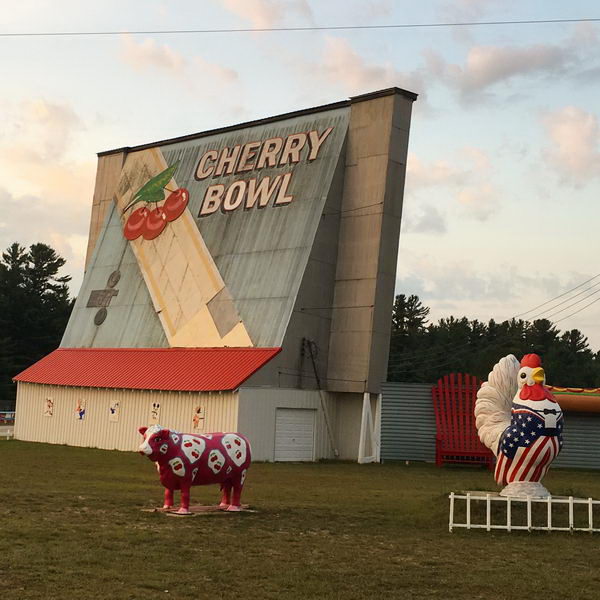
(538, 375)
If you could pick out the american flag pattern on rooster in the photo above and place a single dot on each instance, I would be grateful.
(530, 443)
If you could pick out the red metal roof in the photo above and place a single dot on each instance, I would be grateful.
(175, 369)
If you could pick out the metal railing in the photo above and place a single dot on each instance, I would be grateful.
(550, 502)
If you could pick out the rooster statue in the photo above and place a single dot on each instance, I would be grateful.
(519, 420)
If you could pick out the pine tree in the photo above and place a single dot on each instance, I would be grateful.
(409, 318)
(408, 315)
(34, 309)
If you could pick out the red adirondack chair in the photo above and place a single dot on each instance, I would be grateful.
(456, 440)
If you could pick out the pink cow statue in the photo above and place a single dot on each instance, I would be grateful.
(185, 459)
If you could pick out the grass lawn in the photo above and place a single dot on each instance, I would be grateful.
(71, 527)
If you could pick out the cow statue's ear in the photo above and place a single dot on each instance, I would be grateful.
(143, 430)
(164, 433)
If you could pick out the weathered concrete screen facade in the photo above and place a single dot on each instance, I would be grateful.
(368, 243)
(287, 237)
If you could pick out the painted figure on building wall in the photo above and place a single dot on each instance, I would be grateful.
(154, 412)
(184, 460)
(518, 418)
(113, 411)
(49, 407)
(198, 418)
(80, 409)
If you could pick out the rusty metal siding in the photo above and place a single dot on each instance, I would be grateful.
(97, 431)
(257, 415)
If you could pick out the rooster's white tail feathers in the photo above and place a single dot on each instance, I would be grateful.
(494, 401)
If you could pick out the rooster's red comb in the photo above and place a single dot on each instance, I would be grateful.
(531, 360)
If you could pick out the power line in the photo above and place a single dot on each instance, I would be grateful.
(578, 311)
(557, 297)
(296, 29)
(566, 300)
(572, 304)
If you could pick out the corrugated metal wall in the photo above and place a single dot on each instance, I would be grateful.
(131, 320)
(407, 422)
(257, 413)
(581, 442)
(408, 429)
(97, 431)
(262, 254)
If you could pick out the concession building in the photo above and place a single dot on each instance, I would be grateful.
(239, 279)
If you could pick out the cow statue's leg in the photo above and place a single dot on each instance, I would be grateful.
(184, 508)
(225, 495)
(236, 504)
(168, 499)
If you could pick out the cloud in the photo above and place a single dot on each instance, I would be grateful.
(467, 184)
(264, 14)
(38, 130)
(46, 193)
(438, 172)
(461, 11)
(375, 9)
(485, 66)
(574, 148)
(479, 201)
(341, 66)
(147, 54)
(425, 219)
(64, 226)
(466, 10)
(456, 284)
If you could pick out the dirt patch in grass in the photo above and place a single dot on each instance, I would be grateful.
(72, 527)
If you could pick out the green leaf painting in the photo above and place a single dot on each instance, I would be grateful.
(152, 191)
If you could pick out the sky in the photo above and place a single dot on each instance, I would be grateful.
(502, 194)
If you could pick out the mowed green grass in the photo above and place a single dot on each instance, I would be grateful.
(72, 527)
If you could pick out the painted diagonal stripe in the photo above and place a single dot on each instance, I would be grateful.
(179, 271)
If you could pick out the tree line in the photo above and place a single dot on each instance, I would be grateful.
(422, 352)
(34, 310)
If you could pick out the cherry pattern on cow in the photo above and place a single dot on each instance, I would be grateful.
(236, 448)
(184, 460)
(192, 447)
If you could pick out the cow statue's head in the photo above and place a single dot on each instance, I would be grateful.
(157, 441)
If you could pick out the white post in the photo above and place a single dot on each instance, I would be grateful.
(488, 516)
(508, 516)
(377, 436)
(468, 511)
(528, 513)
(591, 514)
(367, 433)
(451, 517)
(363, 429)
(549, 513)
(571, 513)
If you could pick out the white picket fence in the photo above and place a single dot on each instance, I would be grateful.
(550, 502)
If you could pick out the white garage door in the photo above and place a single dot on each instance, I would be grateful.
(294, 434)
